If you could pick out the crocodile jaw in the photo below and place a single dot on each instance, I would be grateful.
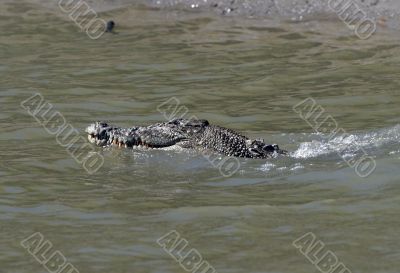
(102, 134)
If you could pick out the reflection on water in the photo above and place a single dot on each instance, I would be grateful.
(239, 73)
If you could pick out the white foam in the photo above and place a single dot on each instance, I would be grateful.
(348, 146)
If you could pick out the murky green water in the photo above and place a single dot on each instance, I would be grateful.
(243, 74)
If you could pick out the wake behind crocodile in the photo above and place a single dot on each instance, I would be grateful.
(375, 143)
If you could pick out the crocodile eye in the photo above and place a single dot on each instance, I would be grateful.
(205, 122)
(176, 121)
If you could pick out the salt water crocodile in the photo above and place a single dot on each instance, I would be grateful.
(185, 133)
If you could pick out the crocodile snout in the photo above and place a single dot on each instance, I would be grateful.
(98, 133)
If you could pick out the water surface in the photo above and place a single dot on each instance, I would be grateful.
(240, 73)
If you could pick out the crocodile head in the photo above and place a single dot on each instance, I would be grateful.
(160, 135)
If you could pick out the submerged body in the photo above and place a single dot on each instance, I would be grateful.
(183, 133)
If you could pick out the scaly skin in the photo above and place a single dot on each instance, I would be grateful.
(184, 133)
